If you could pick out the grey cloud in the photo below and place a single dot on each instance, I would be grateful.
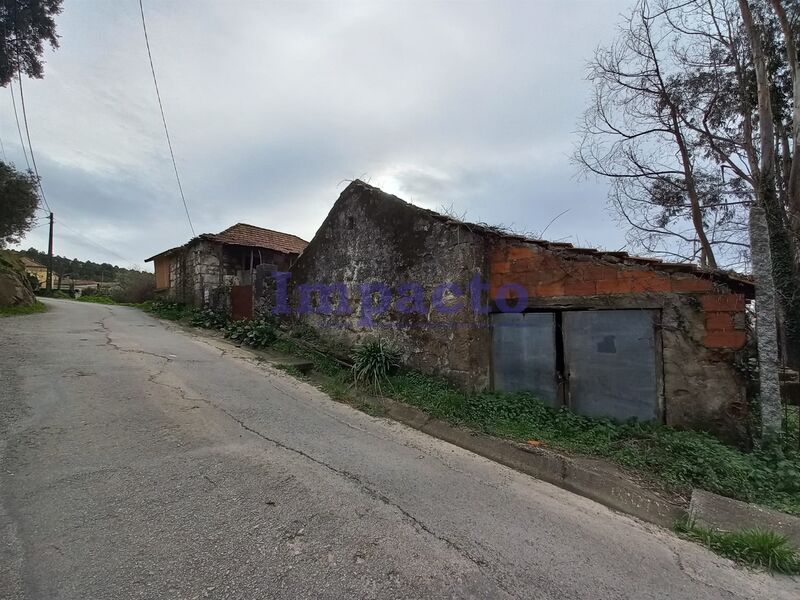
(271, 105)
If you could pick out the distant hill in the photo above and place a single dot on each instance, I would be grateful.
(78, 269)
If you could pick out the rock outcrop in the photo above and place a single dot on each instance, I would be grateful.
(15, 290)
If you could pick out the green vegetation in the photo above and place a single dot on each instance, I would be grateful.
(54, 294)
(208, 318)
(258, 333)
(96, 299)
(670, 458)
(78, 269)
(20, 198)
(13, 311)
(172, 311)
(754, 547)
(374, 361)
(677, 458)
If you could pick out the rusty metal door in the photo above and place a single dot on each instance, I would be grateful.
(241, 302)
(611, 363)
(524, 354)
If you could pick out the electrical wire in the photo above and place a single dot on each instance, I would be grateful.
(19, 129)
(164, 118)
(93, 243)
(30, 146)
(3, 148)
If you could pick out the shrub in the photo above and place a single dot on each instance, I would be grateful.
(173, 311)
(375, 361)
(34, 282)
(92, 291)
(259, 333)
(134, 287)
(209, 318)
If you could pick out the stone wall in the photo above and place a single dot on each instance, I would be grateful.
(372, 237)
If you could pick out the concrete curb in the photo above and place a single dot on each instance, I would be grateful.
(728, 514)
(592, 479)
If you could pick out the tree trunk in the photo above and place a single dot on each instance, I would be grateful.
(766, 331)
(707, 258)
(766, 197)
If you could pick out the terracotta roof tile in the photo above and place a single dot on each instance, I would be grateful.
(243, 234)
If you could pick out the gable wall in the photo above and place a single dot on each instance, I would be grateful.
(372, 237)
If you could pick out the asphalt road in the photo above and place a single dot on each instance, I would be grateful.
(139, 461)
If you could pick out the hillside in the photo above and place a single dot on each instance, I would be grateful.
(78, 269)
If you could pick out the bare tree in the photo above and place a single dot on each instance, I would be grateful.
(691, 155)
(644, 132)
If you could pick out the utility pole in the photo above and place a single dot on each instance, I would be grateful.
(49, 285)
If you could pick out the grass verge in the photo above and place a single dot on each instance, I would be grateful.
(678, 459)
(754, 547)
(13, 311)
(96, 299)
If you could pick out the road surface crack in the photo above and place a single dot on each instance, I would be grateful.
(117, 347)
(480, 563)
(691, 575)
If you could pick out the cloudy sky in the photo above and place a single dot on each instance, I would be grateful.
(467, 105)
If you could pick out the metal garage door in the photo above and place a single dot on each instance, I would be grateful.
(610, 363)
(524, 354)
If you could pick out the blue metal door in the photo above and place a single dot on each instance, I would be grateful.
(524, 354)
(611, 363)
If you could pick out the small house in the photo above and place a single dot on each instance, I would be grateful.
(34, 268)
(217, 269)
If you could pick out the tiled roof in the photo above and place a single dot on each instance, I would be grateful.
(251, 236)
(243, 234)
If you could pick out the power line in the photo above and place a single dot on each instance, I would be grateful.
(30, 146)
(3, 148)
(164, 118)
(19, 129)
(95, 244)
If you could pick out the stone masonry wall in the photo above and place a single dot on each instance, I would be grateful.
(199, 274)
(202, 273)
(370, 236)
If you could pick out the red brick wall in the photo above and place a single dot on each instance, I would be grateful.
(545, 274)
(725, 322)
